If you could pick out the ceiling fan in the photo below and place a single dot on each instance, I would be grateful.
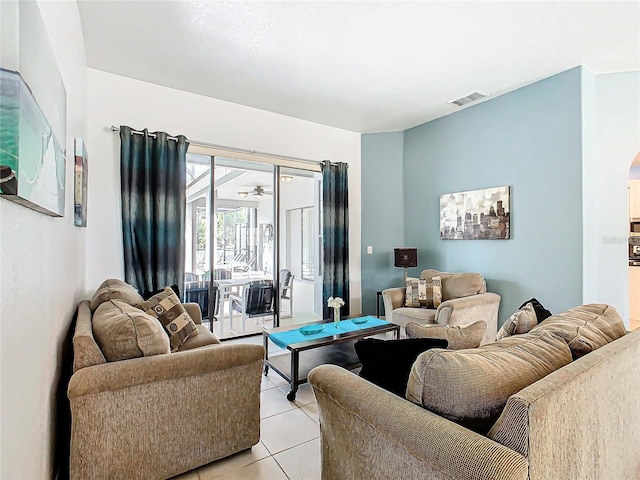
(257, 191)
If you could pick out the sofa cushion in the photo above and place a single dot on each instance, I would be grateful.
(523, 320)
(124, 332)
(203, 338)
(458, 337)
(457, 285)
(387, 363)
(471, 387)
(585, 328)
(166, 307)
(114, 289)
(404, 315)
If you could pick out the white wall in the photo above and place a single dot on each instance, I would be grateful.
(42, 262)
(116, 100)
(611, 140)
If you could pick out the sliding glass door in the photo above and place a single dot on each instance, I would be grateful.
(246, 222)
(300, 246)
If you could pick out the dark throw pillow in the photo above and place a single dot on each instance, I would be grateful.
(387, 363)
(147, 294)
(541, 312)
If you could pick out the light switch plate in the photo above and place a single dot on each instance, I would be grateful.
(370, 250)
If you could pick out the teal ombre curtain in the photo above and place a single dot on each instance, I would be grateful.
(335, 234)
(153, 179)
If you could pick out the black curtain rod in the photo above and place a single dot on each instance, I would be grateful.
(225, 147)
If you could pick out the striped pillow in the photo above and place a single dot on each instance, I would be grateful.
(419, 293)
(166, 307)
(423, 293)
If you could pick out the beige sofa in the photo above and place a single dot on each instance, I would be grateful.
(465, 300)
(158, 416)
(581, 422)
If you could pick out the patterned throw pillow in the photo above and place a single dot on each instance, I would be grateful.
(419, 293)
(166, 307)
(437, 291)
(520, 322)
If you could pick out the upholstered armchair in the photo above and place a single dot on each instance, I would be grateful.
(464, 300)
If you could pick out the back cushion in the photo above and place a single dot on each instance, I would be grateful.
(471, 387)
(585, 328)
(456, 285)
(114, 289)
(458, 337)
(124, 332)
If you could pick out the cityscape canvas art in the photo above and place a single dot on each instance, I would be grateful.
(476, 214)
(32, 112)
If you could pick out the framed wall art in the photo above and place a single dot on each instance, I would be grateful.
(80, 184)
(476, 214)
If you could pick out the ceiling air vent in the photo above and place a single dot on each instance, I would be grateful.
(471, 97)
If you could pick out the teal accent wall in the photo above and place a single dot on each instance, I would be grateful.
(382, 214)
(529, 139)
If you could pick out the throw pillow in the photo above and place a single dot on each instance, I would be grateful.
(585, 328)
(166, 307)
(457, 285)
(460, 336)
(419, 293)
(114, 289)
(387, 363)
(436, 283)
(471, 387)
(541, 312)
(123, 331)
(520, 322)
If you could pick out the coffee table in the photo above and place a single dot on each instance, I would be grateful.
(304, 355)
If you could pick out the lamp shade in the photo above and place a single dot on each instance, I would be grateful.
(405, 257)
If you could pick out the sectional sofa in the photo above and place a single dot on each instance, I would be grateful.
(581, 421)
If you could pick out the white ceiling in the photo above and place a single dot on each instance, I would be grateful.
(365, 66)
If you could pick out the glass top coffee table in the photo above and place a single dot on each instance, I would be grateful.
(331, 344)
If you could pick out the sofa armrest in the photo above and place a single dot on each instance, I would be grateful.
(156, 417)
(193, 309)
(393, 298)
(367, 432)
(461, 311)
(158, 368)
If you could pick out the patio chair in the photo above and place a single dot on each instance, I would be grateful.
(190, 277)
(198, 292)
(286, 291)
(256, 301)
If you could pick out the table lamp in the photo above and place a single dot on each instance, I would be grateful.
(405, 258)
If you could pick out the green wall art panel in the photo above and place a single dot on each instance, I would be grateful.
(32, 113)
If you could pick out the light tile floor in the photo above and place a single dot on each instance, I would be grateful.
(289, 446)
